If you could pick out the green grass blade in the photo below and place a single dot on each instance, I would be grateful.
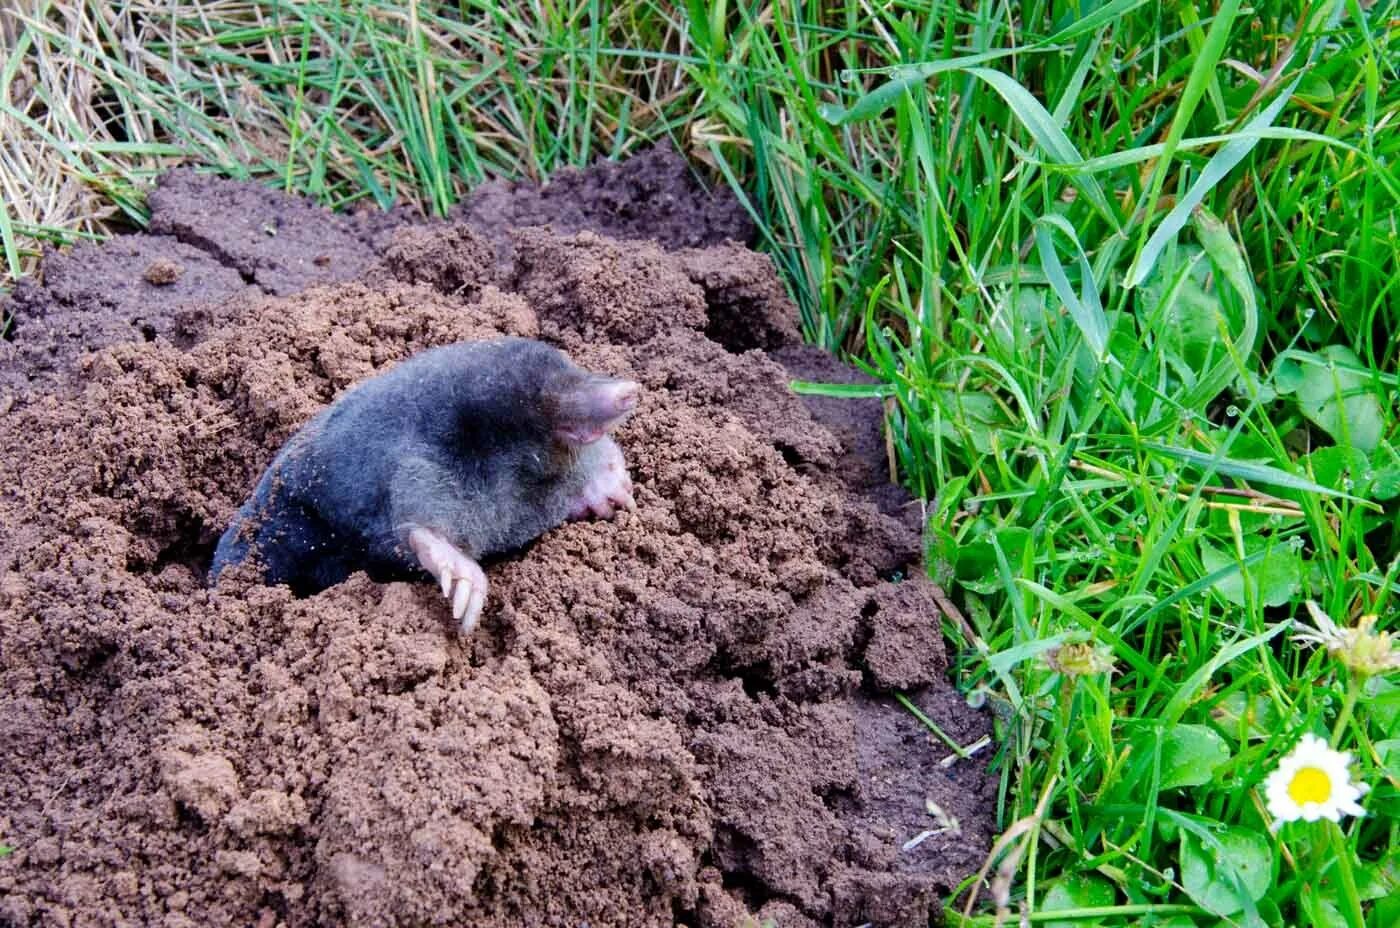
(1244, 470)
(901, 80)
(1086, 311)
(844, 391)
(1048, 135)
(1220, 164)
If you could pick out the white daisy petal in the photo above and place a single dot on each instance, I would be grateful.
(1312, 782)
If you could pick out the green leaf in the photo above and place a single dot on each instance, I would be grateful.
(1341, 468)
(1043, 127)
(699, 24)
(1021, 317)
(1382, 699)
(1385, 474)
(1253, 715)
(8, 243)
(1315, 88)
(1189, 312)
(941, 550)
(970, 418)
(1047, 134)
(1226, 871)
(1077, 891)
(1277, 577)
(1324, 913)
(1092, 21)
(1190, 754)
(977, 559)
(1003, 661)
(1381, 882)
(1084, 308)
(901, 80)
(1386, 913)
(1227, 258)
(1122, 159)
(1335, 393)
(1389, 752)
(1186, 693)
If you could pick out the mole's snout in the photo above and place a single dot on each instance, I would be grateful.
(623, 395)
(596, 407)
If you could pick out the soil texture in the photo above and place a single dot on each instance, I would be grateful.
(682, 716)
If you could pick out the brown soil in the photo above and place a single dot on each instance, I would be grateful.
(678, 717)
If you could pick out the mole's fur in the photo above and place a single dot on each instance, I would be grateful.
(456, 453)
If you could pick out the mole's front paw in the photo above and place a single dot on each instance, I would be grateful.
(462, 579)
(608, 487)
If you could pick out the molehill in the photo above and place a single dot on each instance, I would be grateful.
(682, 716)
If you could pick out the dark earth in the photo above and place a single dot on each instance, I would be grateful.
(683, 716)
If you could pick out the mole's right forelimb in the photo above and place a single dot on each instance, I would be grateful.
(606, 486)
(462, 579)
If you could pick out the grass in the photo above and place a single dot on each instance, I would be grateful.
(1127, 272)
(325, 99)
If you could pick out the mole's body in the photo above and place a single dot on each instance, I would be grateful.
(457, 453)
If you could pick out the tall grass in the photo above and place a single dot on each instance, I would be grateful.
(1130, 277)
(1126, 270)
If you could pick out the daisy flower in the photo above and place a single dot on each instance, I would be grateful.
(1312, 782)
(1363, 649)
(1079, 658)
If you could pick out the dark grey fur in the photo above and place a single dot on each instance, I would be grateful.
(462, 439)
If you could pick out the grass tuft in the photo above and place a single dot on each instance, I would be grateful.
(375, 101)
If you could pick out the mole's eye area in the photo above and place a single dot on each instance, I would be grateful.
(592, 406)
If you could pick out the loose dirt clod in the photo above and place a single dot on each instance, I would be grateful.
(162, 272)
(680, 716)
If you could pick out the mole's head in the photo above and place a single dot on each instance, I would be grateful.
(580, 407)
(529, 390)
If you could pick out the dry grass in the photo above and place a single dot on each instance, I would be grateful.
(393, 102)
(48, 118)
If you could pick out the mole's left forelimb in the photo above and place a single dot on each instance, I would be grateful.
(430, 512)
(462, 579)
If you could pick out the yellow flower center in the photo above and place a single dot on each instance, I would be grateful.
(1310, 784)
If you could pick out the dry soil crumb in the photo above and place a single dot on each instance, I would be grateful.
(674, 717)
(162, 272)
(99, 295)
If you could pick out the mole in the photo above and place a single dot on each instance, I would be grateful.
(459, 452)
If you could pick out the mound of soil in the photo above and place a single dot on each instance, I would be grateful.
(678, 717)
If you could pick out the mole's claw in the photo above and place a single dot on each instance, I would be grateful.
(460, 597)
(478, 600)
(446, 578)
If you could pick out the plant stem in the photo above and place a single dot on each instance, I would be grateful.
(1348, 704)
(1349, 899)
